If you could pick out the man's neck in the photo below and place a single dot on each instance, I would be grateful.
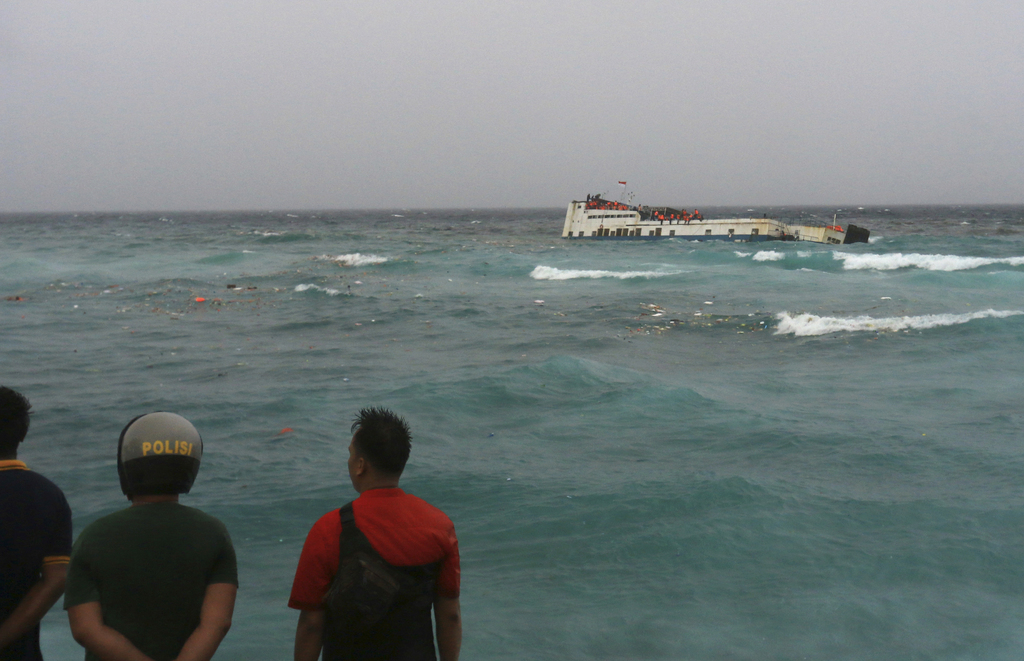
(147, 500)
(377, 482)
(9, 457)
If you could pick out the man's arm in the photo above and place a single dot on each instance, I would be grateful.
(89, 631)
(309, 635)
(214, 622)
(34, 605)
(448, 622)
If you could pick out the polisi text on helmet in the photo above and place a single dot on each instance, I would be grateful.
(168, 447)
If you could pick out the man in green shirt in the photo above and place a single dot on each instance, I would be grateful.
(156, 581)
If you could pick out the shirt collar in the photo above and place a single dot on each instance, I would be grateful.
(12, 465)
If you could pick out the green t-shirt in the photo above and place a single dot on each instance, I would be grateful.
(149, 566)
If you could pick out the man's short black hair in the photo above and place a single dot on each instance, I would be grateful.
(14, 409)
(383, 438)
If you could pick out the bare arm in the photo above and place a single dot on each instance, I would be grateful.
(89, 631)
(214, 622)
(34, 605)
(448, 622)
(309, 635)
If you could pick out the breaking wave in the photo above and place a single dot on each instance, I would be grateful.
(354, 259)
(326, 290)
(768, 256)
(890, 262)
(802, 325)
(552, 273)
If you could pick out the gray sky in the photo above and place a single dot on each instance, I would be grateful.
(230, 104)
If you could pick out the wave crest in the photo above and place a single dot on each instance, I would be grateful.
(326, 290)
(893, 261)
(552, 273)
(803, 325)
(354, 259)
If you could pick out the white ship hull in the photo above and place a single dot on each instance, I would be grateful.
(630, 223)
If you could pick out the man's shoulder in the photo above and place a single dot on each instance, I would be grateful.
(422, 511)
(108, 524)
(112, 520)
(331, 514)
(30, 499)
(427, 507)
(328, 523)
(28, 479)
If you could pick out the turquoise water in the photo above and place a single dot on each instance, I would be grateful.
(650, 450)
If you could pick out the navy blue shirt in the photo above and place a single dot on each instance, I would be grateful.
(35, 530)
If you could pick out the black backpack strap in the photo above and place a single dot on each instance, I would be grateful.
(375, 608)
(352, 538)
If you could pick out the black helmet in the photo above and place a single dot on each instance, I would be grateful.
(158, 453)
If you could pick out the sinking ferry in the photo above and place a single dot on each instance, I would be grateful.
(598, 218)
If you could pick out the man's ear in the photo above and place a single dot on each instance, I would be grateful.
(360, 466)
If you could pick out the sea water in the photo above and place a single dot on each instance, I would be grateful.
(650, 449)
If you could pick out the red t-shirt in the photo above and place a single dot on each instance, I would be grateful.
(405, 531)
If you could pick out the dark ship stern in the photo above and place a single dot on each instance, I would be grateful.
(856, 234)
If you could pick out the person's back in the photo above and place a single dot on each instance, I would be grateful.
(35, 538)
(415, 538)
(157, 578)
(153, 564)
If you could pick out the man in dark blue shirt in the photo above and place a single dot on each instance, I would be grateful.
(35, 538)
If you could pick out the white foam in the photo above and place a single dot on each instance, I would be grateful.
(896, 260)
(552, 273)
(769, 256)
(802, 325)
(354, 259)
(326, 290)
(740, 253)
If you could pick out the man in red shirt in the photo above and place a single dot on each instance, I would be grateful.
(407, 532)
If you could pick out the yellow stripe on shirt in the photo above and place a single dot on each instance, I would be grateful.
(56, 560)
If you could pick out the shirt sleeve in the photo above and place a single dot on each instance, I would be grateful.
(317, 564)
(57, 549)
(449, 580)
(80, 587)
(226, 568)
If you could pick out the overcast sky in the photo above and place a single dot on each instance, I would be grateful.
(294, 104)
